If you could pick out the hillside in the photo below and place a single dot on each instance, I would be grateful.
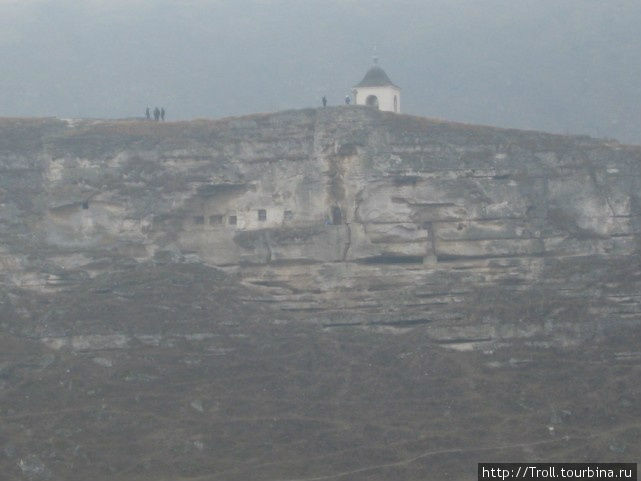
(368, 217)
(334, 293)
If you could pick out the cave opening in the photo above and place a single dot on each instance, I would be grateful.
(337, 216)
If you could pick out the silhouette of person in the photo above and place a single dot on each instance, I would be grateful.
(147, 114)
(162, 113)
(347, 100)
(324, 101)
(156, 114)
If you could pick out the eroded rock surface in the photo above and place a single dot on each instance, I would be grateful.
(269, 298)
(341, 215)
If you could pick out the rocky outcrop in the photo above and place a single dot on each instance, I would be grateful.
(339, 215)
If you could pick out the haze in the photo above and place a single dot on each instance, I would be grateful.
(569, 67)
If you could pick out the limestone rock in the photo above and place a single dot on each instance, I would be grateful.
(338, 214)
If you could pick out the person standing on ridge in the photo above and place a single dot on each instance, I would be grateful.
(162, 113)
(147, 114)
(347, 100)
(156, 114)
(324, 101)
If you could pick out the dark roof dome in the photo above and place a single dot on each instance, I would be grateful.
(376, 77)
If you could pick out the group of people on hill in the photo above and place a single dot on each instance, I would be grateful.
(347, 100)
(159, 114)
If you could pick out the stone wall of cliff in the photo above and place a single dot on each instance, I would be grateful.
(340, 215)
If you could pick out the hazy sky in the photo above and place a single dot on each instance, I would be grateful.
(569, 66)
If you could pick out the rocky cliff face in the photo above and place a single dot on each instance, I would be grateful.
(340, 216)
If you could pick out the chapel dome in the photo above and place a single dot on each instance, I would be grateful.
(376, 77)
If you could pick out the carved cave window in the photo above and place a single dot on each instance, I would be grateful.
(337, 216)
(233, 220)
(215, 219)
(262, 214)
(288, 215)
(199, 219)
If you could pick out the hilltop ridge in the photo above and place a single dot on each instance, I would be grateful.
(277, 297)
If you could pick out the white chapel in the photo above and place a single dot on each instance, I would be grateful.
(377, 90)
